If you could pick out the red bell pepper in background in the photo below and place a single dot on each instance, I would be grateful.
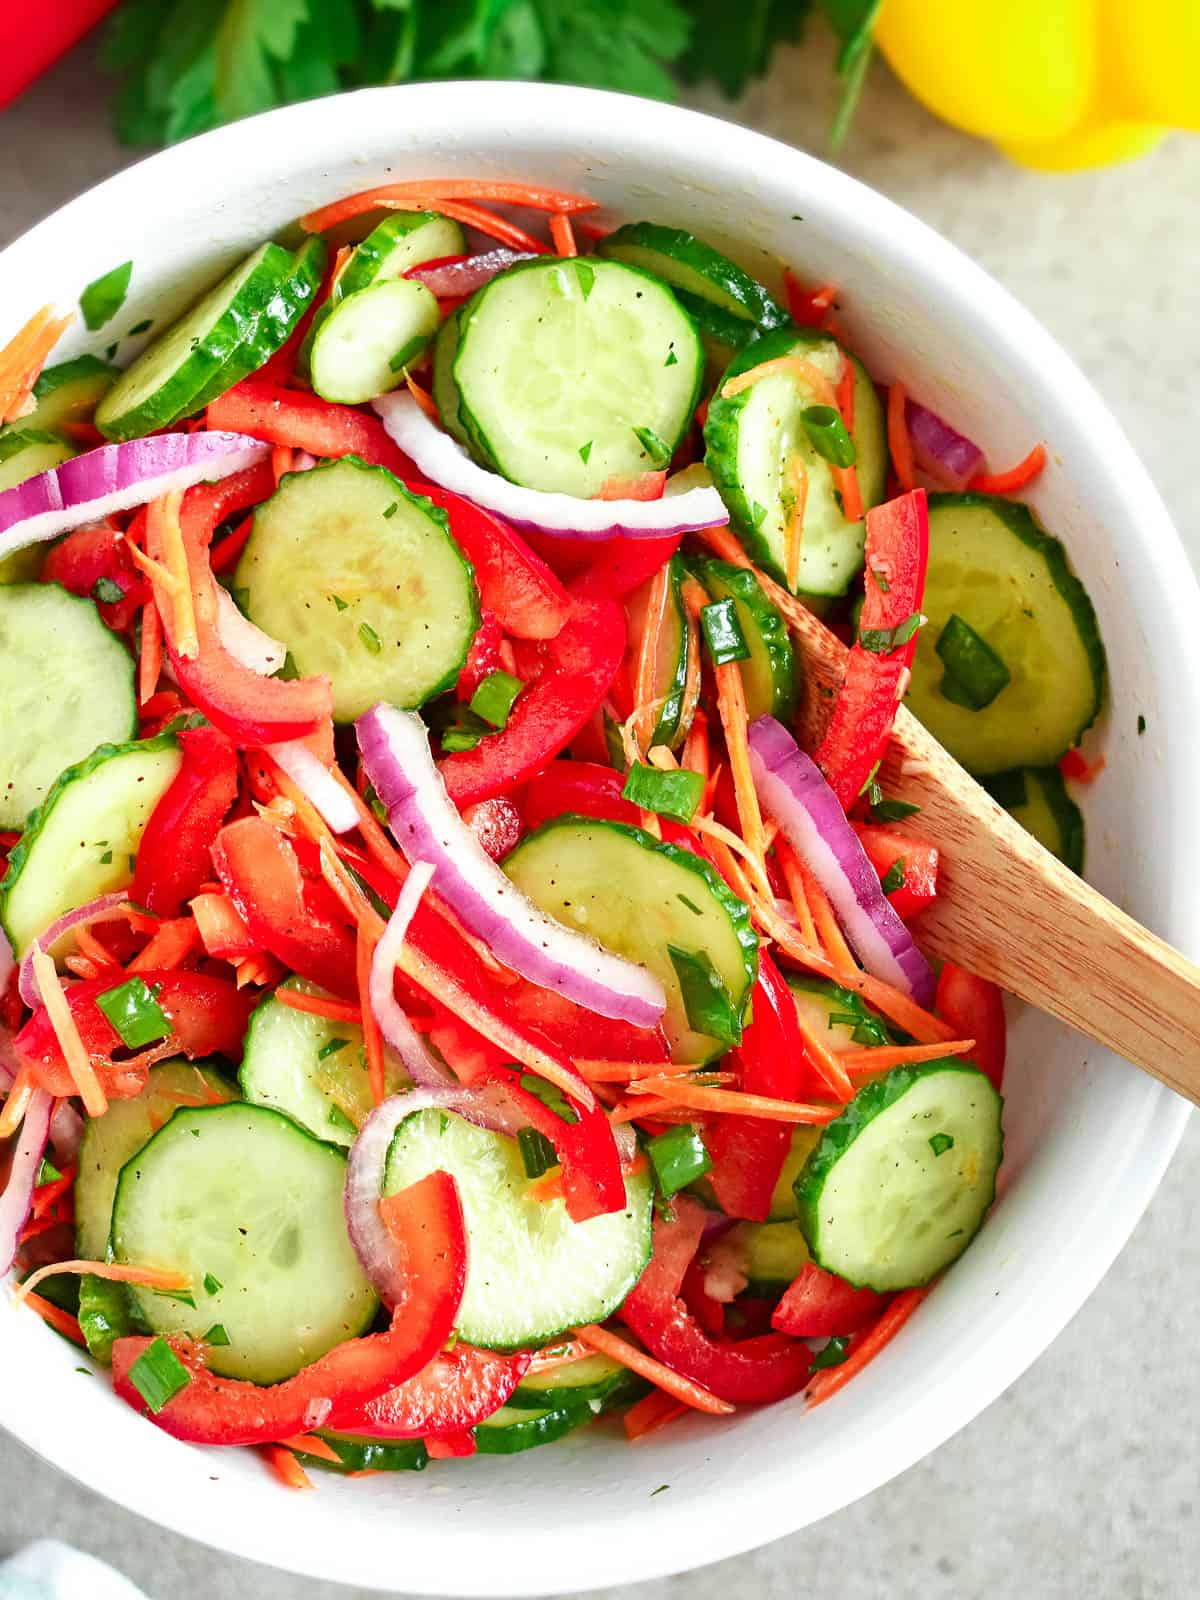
(99, 554)
(820, 1305)
(583, 787)
(581, 662)
(428, 1219)
(708, 1311)
(459, 1388)
(306, 422)
(208, 1016)
(483, 657)
(592, 1181)
(261, 874)
(43, 35)
(173, 860)
(974, 1007)
(884, 848)
(897, 554)
(748, 1152)
(750, 1372)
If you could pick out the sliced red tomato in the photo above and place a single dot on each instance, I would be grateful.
(974, 1007)
(95, 562)
(919, 865)
(820, 1305)
(459, 1388)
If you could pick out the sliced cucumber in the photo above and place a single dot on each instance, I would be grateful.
(841, 1017)
(364, 584)
(671, 664)
(639, 898)
(532, 1272)
(690, 265)
(311, 1068)
(24, 452)
(160, 386)
(368, 1455)
(752, 440)
(900, 1183)
(769, 676)
(82, 840)
(573, 372)
(70, 391)
(249, 1206)
(991, 564)
(581, 1383)
(444, 389)
(369, 338)
(1037, 798)
(66, 685)
(771, 1253)
(403, 240)
(513, 1428)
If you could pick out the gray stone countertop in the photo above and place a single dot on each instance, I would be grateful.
(1081, 1480)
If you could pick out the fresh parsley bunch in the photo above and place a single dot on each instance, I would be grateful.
(188, 65)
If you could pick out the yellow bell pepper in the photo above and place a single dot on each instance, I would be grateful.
(1057, 84)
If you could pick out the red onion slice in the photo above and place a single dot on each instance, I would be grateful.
(117, 477)
(462, 275)
(105, 908)
(318, 784)
(17, 1198)
(395, 750)
(381, 990)
(792, 790)
(442, 460)
(940, 450)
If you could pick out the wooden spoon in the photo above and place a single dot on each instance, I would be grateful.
(1006, 908)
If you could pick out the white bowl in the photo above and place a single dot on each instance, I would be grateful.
(1088, 1137)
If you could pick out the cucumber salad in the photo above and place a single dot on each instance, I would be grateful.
(444, 1004)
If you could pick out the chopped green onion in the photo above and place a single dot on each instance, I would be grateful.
(140, 327)
(370, 638)
(134, 1013)
(690, 904)
(493, 700)
(882, 641)
(47, 1173)
(339, 1120)
(586, 274)
(868, 1030)
(613, 745)
(828, 436)
(678, 1158)
(723, 632)
(655, 448)
(549, 1094)
(893, 878)
(158, 1375)
(672, 794)
(831, 1354)
(892, 810)
(538, 1154)
(706, 1000)
(975, 674)
(184, 1296)
(107, 592)
(339, 603)
(105, 296)
(940, 1143)
(585, 451)
(390, 511)
(106, 858)
(212, 1285)
(216, 1335)
(1007, 789)
(881, 582)
(331, 1047)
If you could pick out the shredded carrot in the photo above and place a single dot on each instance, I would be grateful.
(79, 1063)
(379, 846)
(22, 359)
(285, 1467)
(423, 398)
(845, 478)
(281, 461)
(683, 1092)
(311, 1445)
(652, 1106)
(165, 534)
(1014, 479)
(795, 528)
(731, 703)
(726, 861)
(113, 1271)
(648, 652)
(152, 569)
(226, 552)
(61, 1321)
(882, 1058)
(260, 968)
(546, 1188)
(47, 1194)
(651, 1413)
(563, 234)
(372, 1036)
(899, 443)
(1076, 766)
(684, 1389)
(169, 947)
(830, 1379)
(319, 1005)
(695, 746)
(487, 222)
(433, 193)
(828, 931)
(89, 946)
(795, 877)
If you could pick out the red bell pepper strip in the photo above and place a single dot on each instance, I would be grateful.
(210, 1410)
(306, 422)
(207, 505)
(581, 662)
(593, 1185)
(260, 872)
(749, 1372)
(919, 864)
(748, 1153)
(173, 860)
(459, 1388)
(222, 932)
(708, 1311)
(819, 1305)
(616, 566)
(583, 788)
(208, 1016)
(897, 554)
(974, 1008)
(483, 657)
(496, 823)
(99, 555)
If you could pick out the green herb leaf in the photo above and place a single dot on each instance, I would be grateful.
(107, 592)
(105, 296)
(975, 674)
(672, 360)
(723, 632)
(678, 1157)
(882, 641)
(140, 327)
(212, 1285)
(706, 1000)
(158, 1375)
(47, 1173)
(538, 1154)
(671, 794)
(330, 1047)
(893, 878)
(832, 1354)
(550, 1095)
(339, 1120)
(1141, 724)
(370, 638)
(585, 451)
(892, 810)
(940, 1143)
(586, 274)
(339, 603)
(653, 1492)
(493, 700)
(658, 451)
(827, 435)
(134, 1013)
(216, 1335)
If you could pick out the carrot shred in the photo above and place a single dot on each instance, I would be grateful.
(795, 528)
(833, 941)
(882, 1058)
(372, 1036)
(79, 1063)
(285, 1466)
(311, 1445)
(563, 234)
(796, 879)
(487, 222)
(22, 360)
(89, 946)
(546, 1188)
(1015, 478)
(169, 947)
(379, 846)
(423, 398)
(112, 1271)
(695, 746)
(433, 193)
(58, 1319)
(683, 1389)
(652, 1412)
(281, 461)
(627, 1071)
(899, 443)
(731, 703)
(47, 1194)
(828, 1381)
(318, 1005)
(682, 1092)
(652, 1106)
(647, 657)
(227, 550)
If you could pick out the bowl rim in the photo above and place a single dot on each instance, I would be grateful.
(984, 1372)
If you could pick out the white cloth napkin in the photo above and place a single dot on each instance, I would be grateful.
(51, 1570)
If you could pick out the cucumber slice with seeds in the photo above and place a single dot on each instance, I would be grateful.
(249, 1207)
(639, 897)
(565, 369)
(1037, 798)
(369, 338)
(841, 1017)
(900, 1183)
(532, 1273)
(752, 440)
(444, 389)
(82, 840)
(771, 1254)
(403, 240)
(993, 565)
(769, 676)
(690, 265)
(364, 584)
